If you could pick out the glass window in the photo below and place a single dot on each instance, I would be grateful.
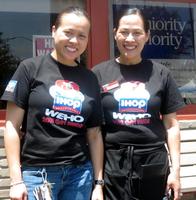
(22, 23)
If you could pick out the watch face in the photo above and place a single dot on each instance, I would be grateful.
(99, 182)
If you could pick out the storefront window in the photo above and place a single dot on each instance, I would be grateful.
(172, 40)
(22, 24)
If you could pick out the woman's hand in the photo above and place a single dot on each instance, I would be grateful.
(97, 193)
(173, 183)
(18, 192)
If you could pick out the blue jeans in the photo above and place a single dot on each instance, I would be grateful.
(68, 182)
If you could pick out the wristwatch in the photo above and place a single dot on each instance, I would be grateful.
(99, 182)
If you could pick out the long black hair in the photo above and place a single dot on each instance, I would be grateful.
(68, 10)
(133, 11)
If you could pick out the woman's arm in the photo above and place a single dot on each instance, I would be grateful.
(14, 118)
(95, 143)
(173, 143)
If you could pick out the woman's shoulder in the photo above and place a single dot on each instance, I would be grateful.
(161, 68)
(34, 60)
(31, 66)
(104, 65)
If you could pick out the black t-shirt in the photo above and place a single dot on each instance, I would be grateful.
(61, 102)
(133, 99)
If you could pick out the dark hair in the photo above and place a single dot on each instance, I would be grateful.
(134, 11)
(75, 10)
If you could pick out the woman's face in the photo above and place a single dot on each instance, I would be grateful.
(131, 38)
(70, 38)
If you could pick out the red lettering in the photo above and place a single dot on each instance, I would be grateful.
(75, 124)
(60, 122)
(48, 120)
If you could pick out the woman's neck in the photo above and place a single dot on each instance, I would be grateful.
(127, 61)
(71, 63)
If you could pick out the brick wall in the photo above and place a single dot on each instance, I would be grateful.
(4, 174)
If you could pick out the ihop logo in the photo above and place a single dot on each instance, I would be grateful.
(132, 105)
(67, 104)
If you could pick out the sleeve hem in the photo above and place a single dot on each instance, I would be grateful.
(7, 98)
(174, 108)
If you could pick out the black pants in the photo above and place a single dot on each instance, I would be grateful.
(136, 174)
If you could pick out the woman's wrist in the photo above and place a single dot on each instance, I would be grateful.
(16, 183)
(99, 182)
(176, 172)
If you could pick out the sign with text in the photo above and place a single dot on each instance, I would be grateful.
(42, 45)
(171, 31)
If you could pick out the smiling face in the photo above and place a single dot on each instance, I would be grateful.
(131, 38)
(70, 38)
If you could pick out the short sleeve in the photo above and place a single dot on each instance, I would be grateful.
(18, 88)
(172, 99)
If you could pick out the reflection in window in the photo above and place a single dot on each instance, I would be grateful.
(16, 44)
(20, 20)
(8, 65)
